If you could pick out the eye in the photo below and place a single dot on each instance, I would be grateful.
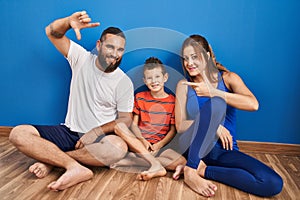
(109, 46)
(121, 50)
(194, 57)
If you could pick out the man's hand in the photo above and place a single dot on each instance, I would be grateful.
(225, 138)
(80, 20)
(87, 138)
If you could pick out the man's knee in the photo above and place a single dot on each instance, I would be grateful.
(18, 133)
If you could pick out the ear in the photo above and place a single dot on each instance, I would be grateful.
(166, 76)
(98, 43)
(208, 54)
(144, 80)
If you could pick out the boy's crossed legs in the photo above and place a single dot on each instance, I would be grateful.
(168, 159)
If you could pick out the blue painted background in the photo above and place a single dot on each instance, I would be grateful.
(258, 39)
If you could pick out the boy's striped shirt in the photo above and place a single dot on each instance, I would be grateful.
(155, 115)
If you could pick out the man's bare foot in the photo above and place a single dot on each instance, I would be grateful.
(40, 170)
(197, 183)
(178, 171)
(151, 173)
(71, 177)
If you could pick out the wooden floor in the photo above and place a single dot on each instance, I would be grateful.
(17, 183)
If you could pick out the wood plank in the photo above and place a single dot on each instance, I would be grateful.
(17, 183)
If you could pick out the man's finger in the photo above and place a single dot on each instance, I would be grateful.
(77, 144)
(90, 25)
(77, 32)
(83, 12)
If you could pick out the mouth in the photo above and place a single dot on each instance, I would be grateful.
(111, 60)
(155, 85)
(192, 68)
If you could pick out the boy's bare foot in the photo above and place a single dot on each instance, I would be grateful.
(151, 173)
(40, 170)
(197, 183)
(71, 177)
(178, 171)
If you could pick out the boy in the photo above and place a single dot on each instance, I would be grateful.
(153, 126)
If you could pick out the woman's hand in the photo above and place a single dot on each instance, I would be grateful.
(203, 88)
(225, 138)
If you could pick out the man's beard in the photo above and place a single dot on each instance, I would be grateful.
(111, 67)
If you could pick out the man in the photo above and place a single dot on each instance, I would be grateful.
(101, 95)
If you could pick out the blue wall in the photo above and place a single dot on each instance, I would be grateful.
(257, 39)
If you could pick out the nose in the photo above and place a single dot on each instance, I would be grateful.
(188, 62)
(115, 53)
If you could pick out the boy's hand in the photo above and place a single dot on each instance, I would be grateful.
(147, 145)
(156, 147)
(80, 20)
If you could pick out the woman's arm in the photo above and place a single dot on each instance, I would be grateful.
(241, 97)
(181, 121)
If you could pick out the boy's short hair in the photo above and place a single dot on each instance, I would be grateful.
(154, 62)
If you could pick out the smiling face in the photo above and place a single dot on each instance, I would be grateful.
(110, 51)
(193, 61)
(155, 79)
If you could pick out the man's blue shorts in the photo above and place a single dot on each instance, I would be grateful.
(60, 135)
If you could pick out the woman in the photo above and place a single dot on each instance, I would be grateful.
(214, 93)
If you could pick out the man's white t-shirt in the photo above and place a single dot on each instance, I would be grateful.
(95, 96)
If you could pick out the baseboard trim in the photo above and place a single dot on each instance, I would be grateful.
(5, 130)
(269, 147)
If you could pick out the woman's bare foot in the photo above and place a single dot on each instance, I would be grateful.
(201, 168)
(197, 183)
(178, 171)
(154, 171)
(40, 170)
(71, 177)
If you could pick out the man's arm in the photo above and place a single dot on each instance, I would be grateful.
(56, 30)
(123, 117)
(92, 135)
